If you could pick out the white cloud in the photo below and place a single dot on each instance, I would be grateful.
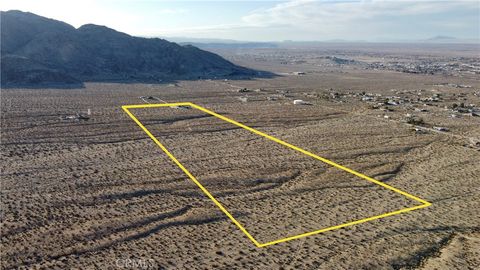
(317, 13)
(357, 19)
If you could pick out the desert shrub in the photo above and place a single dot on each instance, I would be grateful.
(415, 121)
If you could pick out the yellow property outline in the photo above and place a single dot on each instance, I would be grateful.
(240, 226)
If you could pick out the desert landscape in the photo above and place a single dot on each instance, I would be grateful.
(84, 187)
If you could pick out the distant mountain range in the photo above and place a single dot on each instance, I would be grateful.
(205, 43)
(38, 50)
(239, 45)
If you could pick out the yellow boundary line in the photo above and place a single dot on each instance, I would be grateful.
(225, 211)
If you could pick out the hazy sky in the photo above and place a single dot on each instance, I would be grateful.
(374, 20)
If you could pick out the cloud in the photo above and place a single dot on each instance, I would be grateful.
(360, 19)
(311, 12)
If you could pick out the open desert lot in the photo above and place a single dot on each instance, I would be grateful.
(99, 193)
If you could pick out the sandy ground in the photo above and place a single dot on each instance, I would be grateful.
(100, 193)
